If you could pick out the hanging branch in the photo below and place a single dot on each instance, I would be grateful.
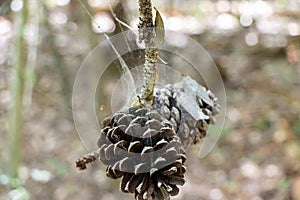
(147, 34)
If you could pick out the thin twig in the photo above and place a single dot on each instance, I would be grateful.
(128, 27)
(124, 68)
(116, 17)
(120, 25)
(87, 159)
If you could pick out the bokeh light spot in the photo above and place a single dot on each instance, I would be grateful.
(251, 39)
(103, 23)
(16, 5)
(246, 20)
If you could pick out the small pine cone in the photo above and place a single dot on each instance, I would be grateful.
(190, 130)
(140, 146)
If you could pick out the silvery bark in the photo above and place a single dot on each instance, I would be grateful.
(147, 34)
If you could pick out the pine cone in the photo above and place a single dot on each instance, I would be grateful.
(189, 129)
(145, 145)
(141, 147)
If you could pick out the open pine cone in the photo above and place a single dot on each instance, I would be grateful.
(142, 148)
(174, 104)
(145, 145)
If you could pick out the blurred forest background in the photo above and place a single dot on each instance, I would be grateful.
(254, 43)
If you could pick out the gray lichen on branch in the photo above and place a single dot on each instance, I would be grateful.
(146, 22)
(147, 35)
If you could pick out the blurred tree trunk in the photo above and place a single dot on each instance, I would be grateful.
(59, 64)
(34, 16)
(4, 6)
(17, 88)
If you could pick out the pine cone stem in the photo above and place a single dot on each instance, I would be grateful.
(146, 21)
(147, 34)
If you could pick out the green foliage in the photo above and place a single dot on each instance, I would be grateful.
(10, 181)
(284, 184)
(232, 186)
(59, 167)
(215, 130)
(262, 123)
(19, 192)
(296, 127)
